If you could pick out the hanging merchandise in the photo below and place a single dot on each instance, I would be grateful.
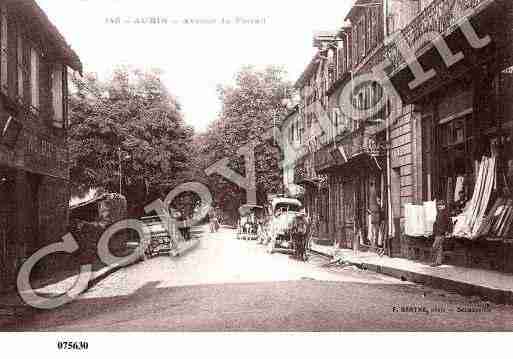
(414, 225)
(450, 190)
(469, 223)
(490, 222)
(430, 212)
(458, 188)
(420, 219)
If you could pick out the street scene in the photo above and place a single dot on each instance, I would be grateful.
(349, 169)
(232, 285)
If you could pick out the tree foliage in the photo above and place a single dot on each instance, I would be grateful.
(250, 108)
(131, 118)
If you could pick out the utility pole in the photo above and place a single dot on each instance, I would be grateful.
(120, 169)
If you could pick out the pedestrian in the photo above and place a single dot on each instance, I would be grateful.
(212, 219)
(441, 229)
(216, 219)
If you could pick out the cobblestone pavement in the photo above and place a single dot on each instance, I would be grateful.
(231, 285)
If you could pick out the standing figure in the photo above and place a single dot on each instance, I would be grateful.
(441, 228)
(212, 218)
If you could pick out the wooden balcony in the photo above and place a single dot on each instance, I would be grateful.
(440, 17)
(443, 17)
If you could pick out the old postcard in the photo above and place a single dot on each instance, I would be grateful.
(255, 167)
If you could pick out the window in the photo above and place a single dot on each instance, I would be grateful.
(340, 62)
(301, 125)
(21, 67)
(58, 96)
(362, 38)
(356, 54)
(368, 33)
(34, 78)
(3, 45)
(455, 165)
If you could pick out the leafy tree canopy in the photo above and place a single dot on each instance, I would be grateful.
(133, 118)
(250, 107)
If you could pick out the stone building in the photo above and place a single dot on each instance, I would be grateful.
(415, 92)
(34, 174)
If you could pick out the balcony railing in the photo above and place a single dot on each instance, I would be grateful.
(438, 17)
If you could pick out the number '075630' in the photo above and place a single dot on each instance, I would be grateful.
(72, 345)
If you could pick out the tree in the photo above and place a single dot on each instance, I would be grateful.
(131, 117)
(249, 109)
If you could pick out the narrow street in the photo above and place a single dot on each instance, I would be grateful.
(231, 285)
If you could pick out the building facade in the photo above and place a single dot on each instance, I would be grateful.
(34, 173)
(415, 93)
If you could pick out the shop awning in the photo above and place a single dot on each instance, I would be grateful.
(308, 182)
(360, 162)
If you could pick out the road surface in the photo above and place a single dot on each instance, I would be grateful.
(231, 285)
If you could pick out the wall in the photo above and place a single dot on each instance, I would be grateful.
(401, 13)
(39, 163)
(403, 148)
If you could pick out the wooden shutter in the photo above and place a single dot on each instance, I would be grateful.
(57, 96)
(20, 66)
(3, 45)
(34, 77)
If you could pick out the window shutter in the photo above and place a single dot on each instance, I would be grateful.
(57, 96)
(3, 45)
(34, 77)
(21, 67)
(65, 120)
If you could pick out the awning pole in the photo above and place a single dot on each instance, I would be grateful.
(391, 230)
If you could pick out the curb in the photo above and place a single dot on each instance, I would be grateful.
(493, 295)
(193, 245)
(104, 274)
(14, 312)
(325, 255)
(497, 296)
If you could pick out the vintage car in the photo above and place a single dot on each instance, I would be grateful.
(157, 239)
(282, 212)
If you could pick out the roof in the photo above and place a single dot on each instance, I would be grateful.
(93, 198)
(279, 200)
(88, 202)
(39, 19)
(309, 71)
(356, 8)
(250, 206)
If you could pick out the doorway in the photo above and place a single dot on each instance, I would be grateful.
(7, 227)
(32, 217)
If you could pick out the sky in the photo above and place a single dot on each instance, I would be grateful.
(195, 57)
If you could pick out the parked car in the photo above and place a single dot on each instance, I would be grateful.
(157, 238)
(282, 213)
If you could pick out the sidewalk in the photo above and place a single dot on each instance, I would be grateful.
(185, 247)
(490, 285)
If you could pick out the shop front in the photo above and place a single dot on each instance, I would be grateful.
(34, 192)
(316, 196)
(467, 156)
(357, 192)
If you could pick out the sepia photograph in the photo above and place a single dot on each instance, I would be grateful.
(296, 170)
